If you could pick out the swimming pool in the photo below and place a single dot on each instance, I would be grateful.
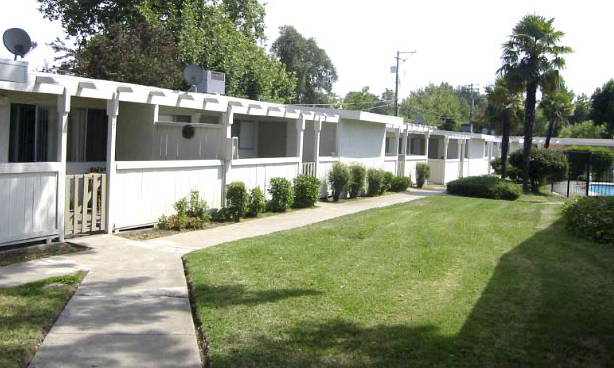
(603, 189)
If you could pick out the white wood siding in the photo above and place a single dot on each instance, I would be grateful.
(146, 190)
(257, 172)
(28, 205)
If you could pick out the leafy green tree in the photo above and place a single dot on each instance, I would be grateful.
(361, 100)
(440, 106)
(223, 36)
(582, 109)
(532, 57)
(585, 129)
(147, 55)
(314, 71)
(602, 103)
(557, 107)
(506, 105)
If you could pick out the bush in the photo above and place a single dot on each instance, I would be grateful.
(400, 183)
(511, 172)
(386, 181)
(306, 191)
(221, 215)
(374, 181)
(602, 160)
(423, 172)
(546, 165)
(339, 178)
(484, 187)
(191, 213)
(256, 204)
(591, 218)
(280, 190)
(236, 199)
(358, 174)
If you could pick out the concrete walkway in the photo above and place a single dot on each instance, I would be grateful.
(132, 308)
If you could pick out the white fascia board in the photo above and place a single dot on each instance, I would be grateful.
(452, 135)
(256, 109)
(418, 128)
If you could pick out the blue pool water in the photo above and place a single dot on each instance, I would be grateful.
(603, 189)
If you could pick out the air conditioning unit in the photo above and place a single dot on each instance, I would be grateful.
(213, 82)
(13, 71)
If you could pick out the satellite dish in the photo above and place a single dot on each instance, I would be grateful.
(17, 41)
(193, 75)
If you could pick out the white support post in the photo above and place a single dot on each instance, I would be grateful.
(227, 149)
(445, 149)
(427, 136)
(397, 137)
(460, 157)
(112, 112)
(63, 110)
(317, 128)
(300, 134)
(490, 145)
(404, 149)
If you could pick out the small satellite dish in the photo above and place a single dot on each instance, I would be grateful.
(17, 41)
(193, 75)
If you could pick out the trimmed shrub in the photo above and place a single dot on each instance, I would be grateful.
(546, 165)
(400, 183)
(280, 190)
(374, 181)
(358, 173)
(512, 172)
(591, 218)
(339, 178)
(236, 199)
(386, 181)
(306, 191)
(221, 215)
(423, 172)
(484, 187)
(256, 203)
(191, 213)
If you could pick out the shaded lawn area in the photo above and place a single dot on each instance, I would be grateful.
(443, 281)
(27, 313)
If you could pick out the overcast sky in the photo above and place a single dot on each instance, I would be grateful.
(458, 42)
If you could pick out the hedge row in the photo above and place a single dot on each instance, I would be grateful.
(591, 218)
(484, 187)
(353, 180)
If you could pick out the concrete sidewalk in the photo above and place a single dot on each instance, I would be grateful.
(132, 308)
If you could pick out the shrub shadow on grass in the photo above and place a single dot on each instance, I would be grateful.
(548, 303)
(229, 295)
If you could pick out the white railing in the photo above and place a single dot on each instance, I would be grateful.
(145, 190)
(451, 170)
(309, 168)
(390, 164)
(437, 171)
(28, 200)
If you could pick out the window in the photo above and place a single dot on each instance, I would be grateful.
(244, 130)
(33, 133)
(400, 145)
(87, 135)
(388, 144)
(164, 118)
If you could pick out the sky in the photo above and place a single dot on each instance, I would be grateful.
(458, 42)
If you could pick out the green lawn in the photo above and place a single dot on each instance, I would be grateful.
(443, 281)
(27, 312)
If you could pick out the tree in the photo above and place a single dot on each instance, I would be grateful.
(548, 166)
(440, 106)
(532, 57)
(582, 109)
(146, 55)
(557, 107)
(361, 100)
(602, 103)
(505, 105)
(314, 71)
(217, 35)
(585, 129)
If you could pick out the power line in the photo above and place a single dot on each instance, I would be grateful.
(396, 83)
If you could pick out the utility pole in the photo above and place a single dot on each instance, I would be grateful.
(396, 84)
(471, 89)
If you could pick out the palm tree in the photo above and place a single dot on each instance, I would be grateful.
(532, 57)
(506, 102)
(557, 106)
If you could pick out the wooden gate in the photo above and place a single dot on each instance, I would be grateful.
(86, 197)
